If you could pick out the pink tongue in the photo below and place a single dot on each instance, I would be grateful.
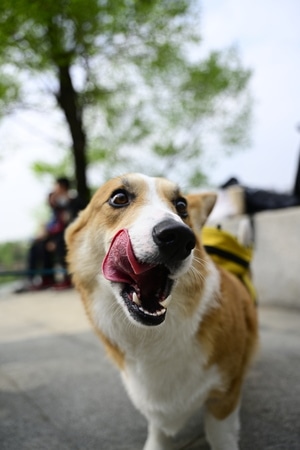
(120, 263)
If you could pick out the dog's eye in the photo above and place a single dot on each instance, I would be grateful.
(181, 207)
(119, 199)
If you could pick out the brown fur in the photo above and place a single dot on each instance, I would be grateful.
(229, 337)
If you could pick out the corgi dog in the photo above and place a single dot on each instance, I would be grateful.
(181, 330)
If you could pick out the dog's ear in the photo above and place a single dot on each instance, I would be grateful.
(199, 207)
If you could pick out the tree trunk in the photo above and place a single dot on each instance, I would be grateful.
(67, 98)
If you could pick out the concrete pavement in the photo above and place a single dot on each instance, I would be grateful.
(59, 392)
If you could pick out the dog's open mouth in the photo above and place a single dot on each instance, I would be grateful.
(145, 287)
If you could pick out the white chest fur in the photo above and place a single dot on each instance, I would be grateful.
(165, 368)
(169, 382)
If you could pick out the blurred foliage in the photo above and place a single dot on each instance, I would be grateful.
(9, 93)
(64, 167)
(12, 257)
(145, 96)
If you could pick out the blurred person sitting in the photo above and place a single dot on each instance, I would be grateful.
(48, 248)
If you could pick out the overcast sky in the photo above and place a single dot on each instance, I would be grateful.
(267, 34)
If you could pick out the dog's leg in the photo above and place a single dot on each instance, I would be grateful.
(223, 434)
(157, 440)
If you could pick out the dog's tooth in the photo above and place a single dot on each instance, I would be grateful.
(135, 299)
(157, 313)
(165, 303)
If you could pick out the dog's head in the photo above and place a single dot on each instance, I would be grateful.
(137, 236)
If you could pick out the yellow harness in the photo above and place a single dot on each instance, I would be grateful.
(226, 251)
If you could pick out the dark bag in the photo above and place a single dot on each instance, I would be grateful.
(257, 200)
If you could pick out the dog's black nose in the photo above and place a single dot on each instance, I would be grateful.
(174, 240)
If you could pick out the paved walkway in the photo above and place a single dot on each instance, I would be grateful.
(59, 392)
